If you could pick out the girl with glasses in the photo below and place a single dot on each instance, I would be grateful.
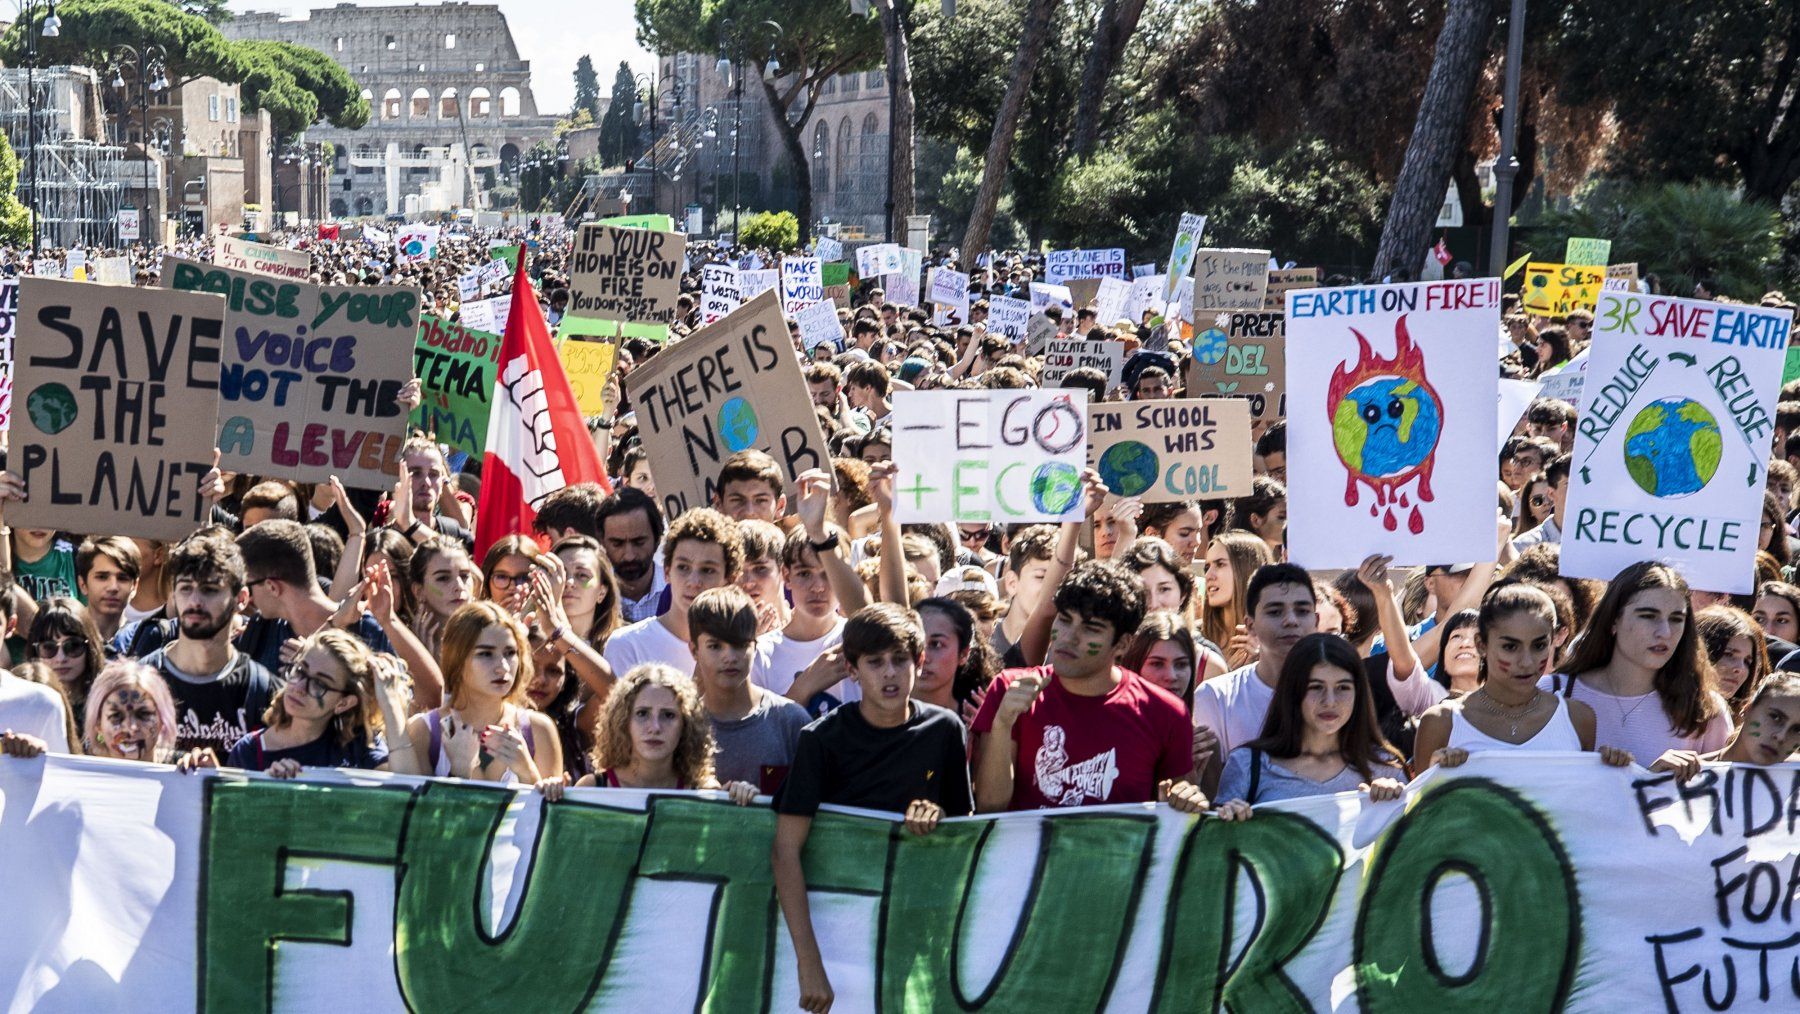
(63, 636)
(506, 571)
(1535, 505)
(328, 714)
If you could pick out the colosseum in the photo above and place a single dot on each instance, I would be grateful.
(447, 93)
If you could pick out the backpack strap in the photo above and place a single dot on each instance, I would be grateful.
(1255, 776)
(436, 744)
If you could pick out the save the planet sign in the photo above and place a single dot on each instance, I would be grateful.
(1178, 449)
(1391, 421)
(729, 387)
(1672, 447)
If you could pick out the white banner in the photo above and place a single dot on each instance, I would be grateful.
(1672, 446)
(719, 292)
(878, 259)
(260, 258)
(416, 243)
(1518, 882)
(819, 325)
(1062, 265)
(1008, 316)
(802, 283)
(1391, 423)
(1181, 253)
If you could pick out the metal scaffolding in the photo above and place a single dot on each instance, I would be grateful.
(81, 181)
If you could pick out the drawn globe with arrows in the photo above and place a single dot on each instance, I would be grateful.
(1672, 447)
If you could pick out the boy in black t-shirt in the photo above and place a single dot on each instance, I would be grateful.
(885, 752)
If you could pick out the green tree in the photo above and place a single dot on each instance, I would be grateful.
(773, 230)
(618, 128)
(91, 29)
(587, 88)
(300, 86)
(214, 11)
(816, 42)
(15, 218)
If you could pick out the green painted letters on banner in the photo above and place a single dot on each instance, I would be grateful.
(456, 367)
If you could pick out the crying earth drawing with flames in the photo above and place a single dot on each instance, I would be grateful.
(1385, 422)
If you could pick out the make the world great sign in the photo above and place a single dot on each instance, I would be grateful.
(1672, 447)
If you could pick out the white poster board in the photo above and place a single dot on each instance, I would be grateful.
(819, 325)
(802, 282)
(1002, 456)
(1062, 265)
(1672, 438)
(719, 292)
(1008, 316)
(1391, 423)
(1181, 252)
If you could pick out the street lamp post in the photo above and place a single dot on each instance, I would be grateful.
(149, 64)
(1507, 165)
(49, 28)
(646, 84)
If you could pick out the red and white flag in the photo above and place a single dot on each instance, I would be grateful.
(537, 442)
(1442, 251)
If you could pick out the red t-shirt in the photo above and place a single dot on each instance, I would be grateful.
(1083, 751)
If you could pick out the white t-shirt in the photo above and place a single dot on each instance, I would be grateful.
(1233, 706)
(780, 659)
(33, 709)
(646, 641)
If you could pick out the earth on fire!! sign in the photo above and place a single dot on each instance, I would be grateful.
(310, 375)
(119, 389)
(1672, 438)
(1391, 423)
(1001, 456)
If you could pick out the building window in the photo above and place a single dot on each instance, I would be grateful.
(338, 43)
(450, 40)
(212, 108)
(830, 86)
(231, 109)
(480, 67)
(852, 83)
(873, 79)
(390, 43)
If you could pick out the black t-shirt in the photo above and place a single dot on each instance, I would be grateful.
(263, 637)
(843, 760)
(216, 712)
(325, 752)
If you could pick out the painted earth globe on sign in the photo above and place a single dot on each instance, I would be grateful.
(738, 425)
(1672, 447)
(1128, 468)
(51, 407)
(1209, 346)
(1386, 426)
(1055, 487)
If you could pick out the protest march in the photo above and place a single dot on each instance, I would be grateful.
(1228, 544)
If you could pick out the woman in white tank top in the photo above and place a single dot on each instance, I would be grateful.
(1515, 634)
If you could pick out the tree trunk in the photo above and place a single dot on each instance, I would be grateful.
(1118, 20)
(1437, 133)
(796, 152)
(900, 123)
(1006, 127)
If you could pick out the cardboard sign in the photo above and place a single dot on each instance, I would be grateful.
(1672, 439)
(1062, 265)
(121, 391)
(1621, 278)
(1280, 281)
(1171, 450)
(625, 274)
(113, 270)
(1230, 280)
(1552, 290)
(1242, 355)
(588, 364)
(1064, 355)
(1008, 316)
(310, 375)
(456, 367)
(839, 295)
(1043, 296)
(9, 319)
(802, 283)
(879, 259)
(1001, 456)
(819, 325)
(1391, 422)
(1587, 251)
(1082, 291)
(235, 254)
(950, 288)
(723, 389)
(1181, 252)
(719, 294)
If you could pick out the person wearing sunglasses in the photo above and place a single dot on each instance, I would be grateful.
(328, 713)
(1535, 504)
(63, 637)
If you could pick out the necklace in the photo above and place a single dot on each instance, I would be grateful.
(1624, 712)
(1507, 713)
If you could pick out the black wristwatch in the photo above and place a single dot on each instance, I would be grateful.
(826, 544)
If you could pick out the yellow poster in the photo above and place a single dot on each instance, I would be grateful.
(1552, 290)
(588, 364)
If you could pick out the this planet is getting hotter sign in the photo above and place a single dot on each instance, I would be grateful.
(1672, 444)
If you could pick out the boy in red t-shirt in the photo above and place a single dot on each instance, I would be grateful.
(1080, 730)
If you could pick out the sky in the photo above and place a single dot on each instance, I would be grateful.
(541, 28)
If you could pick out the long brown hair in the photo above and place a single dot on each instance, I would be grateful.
(1686, 681)
(1360, 742)
(1164, 625)
(606, 611)
(1718, 625)
(358, 662)
(1247, 551)
(510, 545)
(693, 752)
(463, 629)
